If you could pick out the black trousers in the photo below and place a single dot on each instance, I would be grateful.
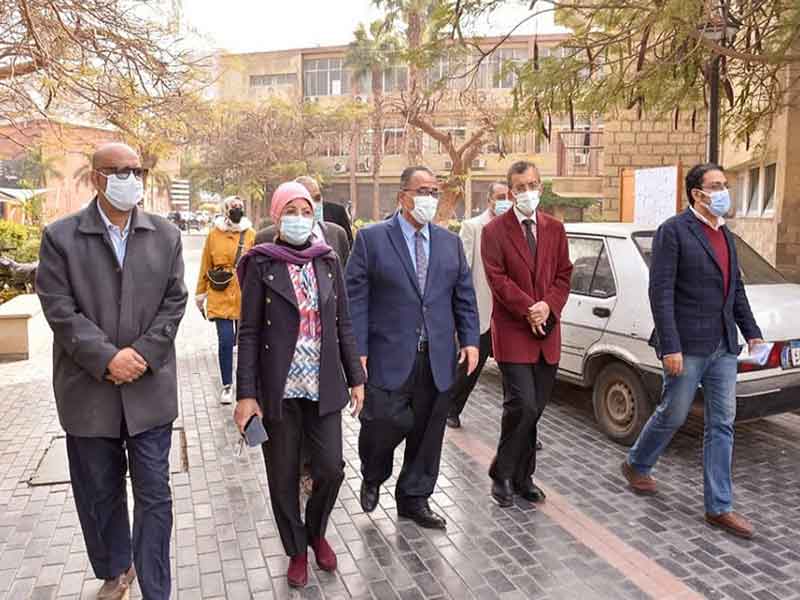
(526, 391)
(417, 412)
(97, 469)
(322, 435)
(466, 383)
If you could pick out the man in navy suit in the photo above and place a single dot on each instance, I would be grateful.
(411, 294)
(697, 297)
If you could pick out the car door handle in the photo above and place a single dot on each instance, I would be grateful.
(602, 312)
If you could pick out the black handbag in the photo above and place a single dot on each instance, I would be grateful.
(219, 279)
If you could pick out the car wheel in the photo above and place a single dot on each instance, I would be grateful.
(621, 403)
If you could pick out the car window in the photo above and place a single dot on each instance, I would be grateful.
(754, 268)
(603, 282)
(583, 252)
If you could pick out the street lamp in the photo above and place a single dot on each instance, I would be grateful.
(721, 28)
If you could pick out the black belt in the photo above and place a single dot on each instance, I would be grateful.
(422, 346)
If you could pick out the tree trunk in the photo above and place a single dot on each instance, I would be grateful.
(352, 165)
(413, 135)
(377, 141)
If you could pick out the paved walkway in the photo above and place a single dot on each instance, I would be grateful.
(592, 539)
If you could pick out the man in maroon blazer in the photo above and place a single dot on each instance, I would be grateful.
(526, 259)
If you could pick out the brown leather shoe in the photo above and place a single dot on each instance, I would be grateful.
(641, 484)
(117, 588)
(733, 523)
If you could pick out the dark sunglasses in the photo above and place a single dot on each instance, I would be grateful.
(123, 172)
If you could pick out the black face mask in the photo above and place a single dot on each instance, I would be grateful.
(235, 215)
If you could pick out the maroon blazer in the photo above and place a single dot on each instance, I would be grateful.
(517, 283)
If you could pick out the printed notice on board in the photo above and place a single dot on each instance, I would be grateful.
(655, 191)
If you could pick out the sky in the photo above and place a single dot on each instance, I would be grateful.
(260, 25)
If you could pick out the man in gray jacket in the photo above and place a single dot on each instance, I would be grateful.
(110, 280)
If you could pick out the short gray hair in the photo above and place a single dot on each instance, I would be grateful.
(306, 180)
(518, 168)
(493, 186)
(409, 172)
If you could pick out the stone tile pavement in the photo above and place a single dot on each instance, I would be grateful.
(591, 540)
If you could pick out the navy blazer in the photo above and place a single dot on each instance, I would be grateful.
(388, 308)
(692, 314)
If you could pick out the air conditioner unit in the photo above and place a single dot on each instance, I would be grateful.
(581, 159)
(493, 149)
(340, 168)
(363, 167)
(310, 99)
(361, 98)
(448, 164)
(478, 163)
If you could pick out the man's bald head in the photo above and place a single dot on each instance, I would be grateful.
(310, 184)
(115, 154)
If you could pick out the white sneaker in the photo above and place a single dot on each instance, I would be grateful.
(226, 396)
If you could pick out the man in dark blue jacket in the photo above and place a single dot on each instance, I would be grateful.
(411, 294)
(697, 297)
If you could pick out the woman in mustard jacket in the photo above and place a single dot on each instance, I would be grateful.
(218, 294)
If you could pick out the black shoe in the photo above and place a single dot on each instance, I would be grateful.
(369, 496)
(538, 445)
(530, 492)
(454, 422)
(502, 492)
(423, 516)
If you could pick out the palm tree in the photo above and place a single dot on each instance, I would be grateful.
(372, 52)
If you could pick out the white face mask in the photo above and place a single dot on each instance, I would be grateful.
(296, 229)
(425, 208)
(527, 202)
(502, 207)
(123, 194)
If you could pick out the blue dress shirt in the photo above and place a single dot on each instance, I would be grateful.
(409, 232)
(118, 237)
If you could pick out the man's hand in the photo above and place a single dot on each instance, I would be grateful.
(538, 313)
(673, 364)
(470, 354)
(364, 366)
(753, 343)
(246, 408)
(200, 301)
(126, 366)
(356, 400)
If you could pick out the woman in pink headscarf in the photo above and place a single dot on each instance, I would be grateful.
(297, 359)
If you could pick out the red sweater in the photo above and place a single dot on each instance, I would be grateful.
(716, 237)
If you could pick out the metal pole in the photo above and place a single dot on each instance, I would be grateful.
(713, 111)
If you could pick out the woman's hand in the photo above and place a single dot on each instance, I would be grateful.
(246, 408)
(356, 400)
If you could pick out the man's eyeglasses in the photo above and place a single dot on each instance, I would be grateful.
(423, 191)
(123, 172)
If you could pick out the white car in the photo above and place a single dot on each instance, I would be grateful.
(607, 324)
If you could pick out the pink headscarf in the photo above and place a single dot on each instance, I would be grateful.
(285, 193)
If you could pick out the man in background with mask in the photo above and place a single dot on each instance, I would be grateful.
(110, 280)
(698, 299)
(526, 258)
(471, 230)
(323, 231)
(411, 295)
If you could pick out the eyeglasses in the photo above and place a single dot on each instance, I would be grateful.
(123, 172)
(423, 191)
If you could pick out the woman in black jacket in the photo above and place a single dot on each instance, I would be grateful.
(297, 358)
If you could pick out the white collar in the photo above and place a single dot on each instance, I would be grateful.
(702, 219)
(224, 224)
(523, 217)
(108, 222)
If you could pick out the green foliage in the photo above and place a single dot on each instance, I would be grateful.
(20, 242)
(550, 199)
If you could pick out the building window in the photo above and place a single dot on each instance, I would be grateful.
(432, 146)
(769, 188)
(752, 203)
(493, 71)
(273, 79)
(325, 77)
(448, 72)
(394, 79)
(332, 144)
(394, 141)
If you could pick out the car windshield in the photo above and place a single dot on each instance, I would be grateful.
(755, 270)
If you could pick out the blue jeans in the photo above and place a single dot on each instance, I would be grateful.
(97, 469)
(226, 340)
(717, 374)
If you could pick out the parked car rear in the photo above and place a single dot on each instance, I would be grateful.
(607, 326)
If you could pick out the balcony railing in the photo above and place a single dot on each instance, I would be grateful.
(579, 153)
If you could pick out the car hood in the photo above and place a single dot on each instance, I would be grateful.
(776, 309)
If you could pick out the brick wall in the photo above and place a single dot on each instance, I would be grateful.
(630, 142)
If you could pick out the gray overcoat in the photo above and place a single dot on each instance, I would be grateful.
(95, 308)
